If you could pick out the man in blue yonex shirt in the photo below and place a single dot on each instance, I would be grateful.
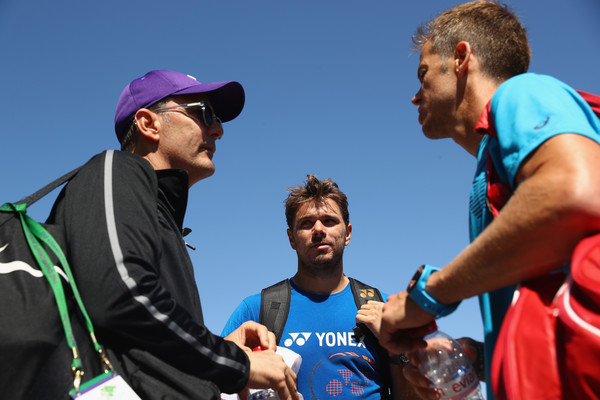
(322, 310)
(542, 139)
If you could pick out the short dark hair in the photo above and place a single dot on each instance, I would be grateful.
(315, 191)
(494, 32)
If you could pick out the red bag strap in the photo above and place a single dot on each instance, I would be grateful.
(593, 100)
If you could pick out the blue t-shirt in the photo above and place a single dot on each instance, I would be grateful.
(525, 111)
(319, 328)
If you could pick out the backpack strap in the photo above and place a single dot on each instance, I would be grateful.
(275, 306)
(362, 294)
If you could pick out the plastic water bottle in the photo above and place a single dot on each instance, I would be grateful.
(263, 394)
(444, 363)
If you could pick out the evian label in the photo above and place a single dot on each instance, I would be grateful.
(460, 387)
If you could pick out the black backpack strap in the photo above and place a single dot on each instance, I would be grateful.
(362, 294)
(29, 200)
(274, 307)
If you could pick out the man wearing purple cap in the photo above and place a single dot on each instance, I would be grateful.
(123, 214)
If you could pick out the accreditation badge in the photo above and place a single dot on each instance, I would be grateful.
(104, 387)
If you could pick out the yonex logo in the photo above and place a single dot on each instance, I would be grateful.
(367, 293)
(324, 339)
(298, 338)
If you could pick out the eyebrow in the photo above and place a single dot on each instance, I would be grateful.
(419, 70)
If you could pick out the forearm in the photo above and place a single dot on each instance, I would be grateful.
(534, 233)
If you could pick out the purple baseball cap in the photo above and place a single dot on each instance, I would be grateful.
(227, 98)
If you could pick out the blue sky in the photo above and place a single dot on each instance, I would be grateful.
(328, 86)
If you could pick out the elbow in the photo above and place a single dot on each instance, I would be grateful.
(578, 205)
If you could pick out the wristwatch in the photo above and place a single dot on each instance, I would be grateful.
(416, 291)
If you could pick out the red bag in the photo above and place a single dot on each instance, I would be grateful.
(549, 343)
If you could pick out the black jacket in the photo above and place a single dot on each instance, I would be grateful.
(123, 223)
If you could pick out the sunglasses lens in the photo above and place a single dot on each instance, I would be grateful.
(207, 115)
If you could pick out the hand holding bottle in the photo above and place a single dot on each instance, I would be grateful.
(445, 366)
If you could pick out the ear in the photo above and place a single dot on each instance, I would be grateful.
(291, 239)
(462, 56)
(148, 124)
(348, 234)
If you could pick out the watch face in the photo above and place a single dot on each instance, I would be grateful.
(415, 278)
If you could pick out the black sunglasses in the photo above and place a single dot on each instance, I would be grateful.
(199, 111)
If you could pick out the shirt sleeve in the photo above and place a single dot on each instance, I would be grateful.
(109, 211)
(529, 109)
(247, 310)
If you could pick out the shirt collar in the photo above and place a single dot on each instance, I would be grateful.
(484, 125)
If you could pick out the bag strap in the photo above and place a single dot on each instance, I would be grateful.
(362, 294)
(275, 306)
(32, 198)
(592, 99)
(29, 200)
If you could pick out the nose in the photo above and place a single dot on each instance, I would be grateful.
(216, 131)
(416, 100)
(318, 228)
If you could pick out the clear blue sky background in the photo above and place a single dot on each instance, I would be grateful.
(328, 87)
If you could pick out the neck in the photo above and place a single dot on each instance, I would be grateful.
(476, 97)
(320, 281)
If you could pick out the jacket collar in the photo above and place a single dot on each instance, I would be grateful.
(173, 191)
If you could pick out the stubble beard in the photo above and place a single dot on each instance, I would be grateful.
(323, 265)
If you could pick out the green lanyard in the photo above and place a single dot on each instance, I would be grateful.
(34, 233)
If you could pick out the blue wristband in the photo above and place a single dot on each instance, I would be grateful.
(416, 291)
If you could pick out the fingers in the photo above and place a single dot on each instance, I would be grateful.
(288, 388)
(370, 315)
(372, 305)
(470, 348)
(403, 324)
(252, 334)
(419, 382)
(268, 370)
(292, 380)
(266, 339)
(272, 341)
